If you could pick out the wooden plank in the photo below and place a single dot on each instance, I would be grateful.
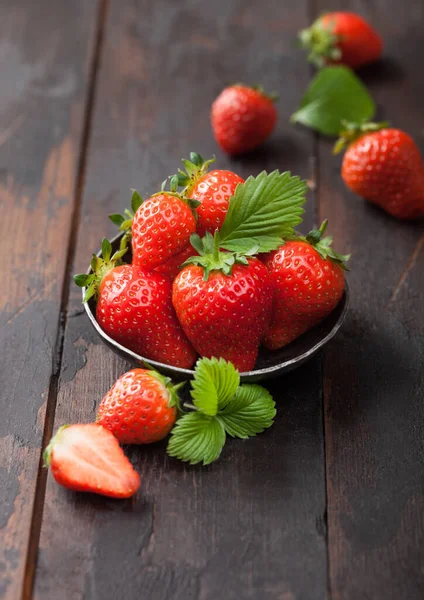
(45, 51)
(253, 524)
(373, 372)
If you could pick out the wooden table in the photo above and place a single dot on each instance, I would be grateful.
(97, 98)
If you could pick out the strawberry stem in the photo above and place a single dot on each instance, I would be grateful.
(353, 131)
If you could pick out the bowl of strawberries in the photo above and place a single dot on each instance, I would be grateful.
(214, 266)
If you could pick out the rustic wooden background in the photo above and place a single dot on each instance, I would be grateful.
(98, 97)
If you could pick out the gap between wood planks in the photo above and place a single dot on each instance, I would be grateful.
(312, 15)
(40, 489)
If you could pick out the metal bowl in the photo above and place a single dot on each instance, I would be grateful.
(269, 363)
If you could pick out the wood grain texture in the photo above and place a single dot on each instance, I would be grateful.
(374, 411)
(253, 524)
(45, 50)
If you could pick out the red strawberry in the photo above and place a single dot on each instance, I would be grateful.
(88, 458)
(242, 118)
(308, 280)
(161, 228)
(385, 167)
(134, 308)
(211, 190)
(172, 266)
(224, 307)
(140, 408)
(341, 37)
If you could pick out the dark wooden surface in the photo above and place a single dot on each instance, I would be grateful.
(101, 97)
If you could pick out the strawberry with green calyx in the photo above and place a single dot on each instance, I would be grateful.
(88, 458)
(308, 278)
(385, 166)
(141, 407)
(242, 118)
(223, 298)
(134, 308)
(160, 228)
(212, 189)
(341, 37)
(221, 407)
(223, 302)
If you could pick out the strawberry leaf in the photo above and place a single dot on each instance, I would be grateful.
(197, 438)
(214, 385)
(250, 412)
(136, 201)
(335, 94)
(263, 210)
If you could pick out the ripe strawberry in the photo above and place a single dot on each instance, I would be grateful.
(341, 37)
(140, 408)
(172, 266)
(224, 308)
(384, 166)
(161, 228)
(212, 190)
(308, 280)
(242, 118)
(134, 308)
(88, 458)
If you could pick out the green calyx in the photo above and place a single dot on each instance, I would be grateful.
(212, 259)
(353, 131)
(174, 398)
(273, 96)
(323, 246)
(48, 450)
(320, 41)
(100, 266)
(195, 168)
(124, 221)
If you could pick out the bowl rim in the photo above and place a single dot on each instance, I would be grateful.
(188, 373)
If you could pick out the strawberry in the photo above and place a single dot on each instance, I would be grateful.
(161, 228)
(242, 118)
(88, 458)
(134, 308)
(308, 280)
(140, 408)
(341, 37)
(211, 190)
(223, 302)
(172, 266)
(384, 166)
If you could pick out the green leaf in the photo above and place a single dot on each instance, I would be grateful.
(262, 243)
(197, 438)
(117, 219)
(250, 412)
(335, 94)
(136, 201)
(106, 249)
(263, 209)
(82, 279)
(214, 385)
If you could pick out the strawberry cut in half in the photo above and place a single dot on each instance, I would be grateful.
(88, 458)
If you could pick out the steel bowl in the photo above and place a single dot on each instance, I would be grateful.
(269, 363)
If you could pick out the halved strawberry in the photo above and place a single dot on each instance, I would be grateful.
(88, 458)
